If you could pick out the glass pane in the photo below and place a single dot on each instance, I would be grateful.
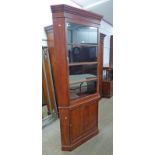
(80, 34)
(83, 69)
(82, 60)
(78, 90)
(82, 80)
(82, 43)
(82, 53)
(107, 74)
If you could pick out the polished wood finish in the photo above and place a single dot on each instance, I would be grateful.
(78, 118)
(65, 11)
(78, 124)
(101, 62)
(52, 56)
(111, 52)
(45, 93)
(49, 80)
(107, 83)
(47, 83)
(107, 88)
(50, 36)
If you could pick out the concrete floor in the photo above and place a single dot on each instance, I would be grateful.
(102, 144)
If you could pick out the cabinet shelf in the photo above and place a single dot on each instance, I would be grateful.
(82, 63)
(84, 44)
(82, 80)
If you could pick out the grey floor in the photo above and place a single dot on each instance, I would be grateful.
(102, 144)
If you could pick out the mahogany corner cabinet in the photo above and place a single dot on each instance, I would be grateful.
(77, 65)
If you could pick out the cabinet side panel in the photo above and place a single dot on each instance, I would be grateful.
(61, 62)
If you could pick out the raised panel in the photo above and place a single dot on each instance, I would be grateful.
(83, 119)
(93, 110)
(90, 116)
(75, 123)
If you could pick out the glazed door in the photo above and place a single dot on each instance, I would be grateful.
(82, 46)
(82, 57)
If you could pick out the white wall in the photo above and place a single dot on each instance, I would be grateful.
(47, 15)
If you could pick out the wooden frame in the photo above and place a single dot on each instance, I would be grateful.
(107, 83)
(78, 118)
(101, 60)
(47, 82)
(111, 52)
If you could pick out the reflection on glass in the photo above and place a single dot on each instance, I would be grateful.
(81, 89)
(82, 80)
(82, 53)
(107, 74)
(82, 60)
(80, 34)
(82, 43)
(83, 69)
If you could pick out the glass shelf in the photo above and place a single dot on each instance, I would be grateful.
(74, 79)
(83, 44)
(82, 85)
(82, 63)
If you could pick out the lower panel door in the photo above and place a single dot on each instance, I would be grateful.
(90, 116)
(83, 120)
(76, 123)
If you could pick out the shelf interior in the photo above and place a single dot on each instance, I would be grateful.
(74, 79)
(83, 44)
(82, 63)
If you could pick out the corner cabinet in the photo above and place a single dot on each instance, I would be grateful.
(77, 64)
